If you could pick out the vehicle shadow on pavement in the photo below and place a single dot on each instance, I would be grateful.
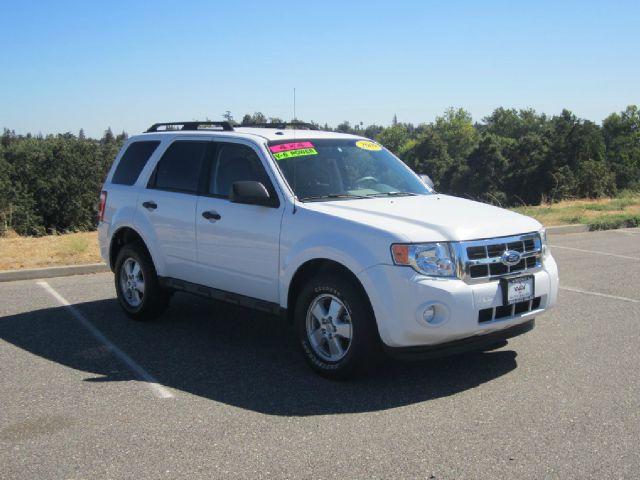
(239, 357)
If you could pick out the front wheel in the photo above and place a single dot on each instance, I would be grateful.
(336, 327)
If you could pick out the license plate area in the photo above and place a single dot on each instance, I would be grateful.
(516, 290)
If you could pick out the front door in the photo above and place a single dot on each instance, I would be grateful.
(238, 245)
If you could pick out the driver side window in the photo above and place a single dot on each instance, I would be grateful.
(235, 163)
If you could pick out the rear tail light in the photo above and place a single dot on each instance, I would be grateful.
(103, 205)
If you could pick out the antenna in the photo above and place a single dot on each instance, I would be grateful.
(295, 119)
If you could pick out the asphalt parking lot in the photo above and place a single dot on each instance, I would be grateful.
(214, 391)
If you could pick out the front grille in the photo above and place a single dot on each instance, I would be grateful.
(482, 259)
(504, 311)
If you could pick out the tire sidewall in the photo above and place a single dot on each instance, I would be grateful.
(129, 251)
(358, 313)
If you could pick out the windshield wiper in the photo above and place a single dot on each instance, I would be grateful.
(332, 196)
(392, 194)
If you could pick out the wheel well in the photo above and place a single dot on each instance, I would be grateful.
(120, 239)
(313, 267)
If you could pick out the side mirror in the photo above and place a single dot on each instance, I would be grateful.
(426, 179)
(252, 193)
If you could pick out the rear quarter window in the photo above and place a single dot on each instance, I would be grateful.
(133, 161)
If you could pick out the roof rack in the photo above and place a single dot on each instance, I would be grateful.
(192, 125)
(282, 125)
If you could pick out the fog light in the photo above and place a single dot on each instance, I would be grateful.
(429, 314)
(432, 314)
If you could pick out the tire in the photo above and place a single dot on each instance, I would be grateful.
(139, 292)
(336, 327)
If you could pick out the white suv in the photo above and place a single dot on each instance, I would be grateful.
(330, 230)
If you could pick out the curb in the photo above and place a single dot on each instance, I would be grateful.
(65, 271)
(564, 229)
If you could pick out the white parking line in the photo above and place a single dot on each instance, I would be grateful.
(598, 294)
(140, 372)
(626, 257)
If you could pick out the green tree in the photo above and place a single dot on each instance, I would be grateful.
(108, 137)
(54, 181)
(429, 155)
(394, 137)
(456, 129)
(5, 193)
(258, 117)
(594, 179)
(486, 170)
(525, 177)
(563, 184)
(372, 131)
(8, 136)
(344, 127)
(622, 138)
(511, 123)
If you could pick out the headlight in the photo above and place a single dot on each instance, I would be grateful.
(432, 259)
(543, 243)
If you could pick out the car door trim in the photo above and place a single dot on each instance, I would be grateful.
(221, 295)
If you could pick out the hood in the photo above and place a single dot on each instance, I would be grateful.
(430, 218)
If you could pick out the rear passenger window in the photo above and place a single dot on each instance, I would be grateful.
(179, 168)
(132, 162)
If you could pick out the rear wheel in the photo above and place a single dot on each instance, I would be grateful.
(139, 292)
(336, 327)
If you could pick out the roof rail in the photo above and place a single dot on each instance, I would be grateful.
(282, 125)
(192, 125)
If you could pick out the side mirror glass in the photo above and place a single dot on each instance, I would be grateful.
(252, 193)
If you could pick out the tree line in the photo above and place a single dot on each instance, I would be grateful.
(512, 157)
(519, 157)
(50, 184)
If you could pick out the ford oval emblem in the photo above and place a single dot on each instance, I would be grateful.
(510, 258)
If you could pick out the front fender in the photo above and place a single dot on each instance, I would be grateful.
(351, 253)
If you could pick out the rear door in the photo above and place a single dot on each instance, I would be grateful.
(169, 201)
(238, 245)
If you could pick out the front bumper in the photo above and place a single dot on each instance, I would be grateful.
(399, 297)
(475, 343)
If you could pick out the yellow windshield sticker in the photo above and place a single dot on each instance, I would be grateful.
(366, 145)
(295, 153)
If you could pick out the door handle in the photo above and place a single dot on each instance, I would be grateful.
(150, 205)
(211, 215)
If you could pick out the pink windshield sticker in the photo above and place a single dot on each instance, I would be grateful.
(290, 146)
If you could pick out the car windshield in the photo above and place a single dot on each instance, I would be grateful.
(334, 169)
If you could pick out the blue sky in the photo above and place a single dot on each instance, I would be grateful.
(68, 65)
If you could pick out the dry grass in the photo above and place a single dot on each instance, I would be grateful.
(586, 211)
(32, 252)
